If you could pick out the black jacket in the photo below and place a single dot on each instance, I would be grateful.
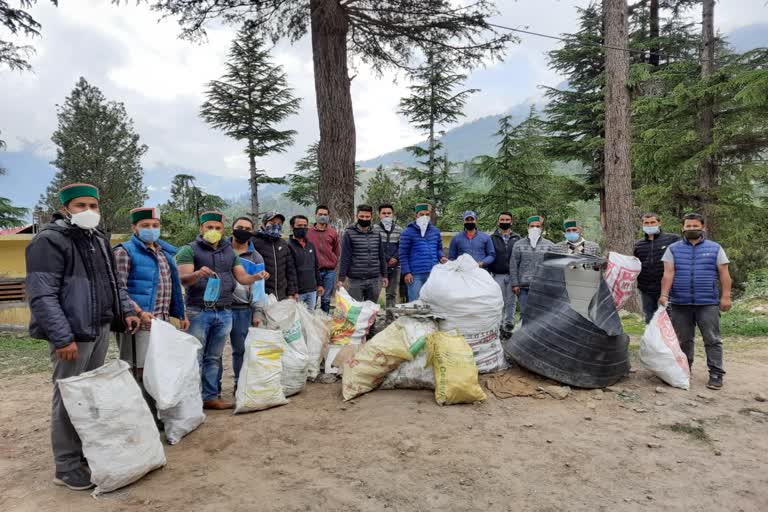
(278, 262)
(307, 270)
(62, 282)
(503, 252)
(362, 254)
(649, 252)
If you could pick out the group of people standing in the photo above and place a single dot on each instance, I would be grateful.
(80, 289)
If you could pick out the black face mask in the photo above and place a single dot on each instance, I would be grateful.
(470, 226)
(299, 232)
(242, 235)
(364, 223)
(504, 226)
(693, 234)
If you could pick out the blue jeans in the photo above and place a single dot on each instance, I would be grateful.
(650, 304)
(310, 299)
(523, 299)
(415, 287)
(241, 322)
(328, 280)
(211, 327)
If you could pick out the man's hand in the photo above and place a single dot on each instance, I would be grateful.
(146, 320)
(184, 324)
(204, 272)
(262, 276)
(296, 297)
(663, 300)
(68, 353)
(516, 290)
(392, 262)
(385, 281)
(320, 291)
(255, 321)
(132, 324)
(443, 260)
(408, 278)
(725, 304)
(341, 283)
(481, 264)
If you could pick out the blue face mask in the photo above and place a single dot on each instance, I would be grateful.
(572, 237)
(149, 235)
(273, 230)
(212, 291)
(651, 230)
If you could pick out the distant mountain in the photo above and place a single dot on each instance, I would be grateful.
(749, 37)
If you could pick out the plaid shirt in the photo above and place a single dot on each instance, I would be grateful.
(163, 299)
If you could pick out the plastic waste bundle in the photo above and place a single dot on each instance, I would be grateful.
(413, 374)
(351, 319)
(259, 386)
(660, 351)
(454, 367)
(284, 315)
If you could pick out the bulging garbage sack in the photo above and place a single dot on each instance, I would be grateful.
(118, 433)
(468, 299)
(316, 328)
(571, 331)
(454, 367)
(259, 385)
(620, 275)
(351, 319)
(660, 351)
(170, 356)
(413, 374)
(284, 315)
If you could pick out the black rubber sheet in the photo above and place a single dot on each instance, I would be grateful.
(587, 349)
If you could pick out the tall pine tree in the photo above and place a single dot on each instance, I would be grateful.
(249, 102)
(18, 21)
(96, 143)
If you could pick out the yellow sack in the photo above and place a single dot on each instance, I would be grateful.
(451, 357)
(370, 365)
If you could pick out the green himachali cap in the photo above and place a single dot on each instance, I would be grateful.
(570, 223)
(138, 214)
(211, 216)
(74, 190)
(534, 218)
(422, 207)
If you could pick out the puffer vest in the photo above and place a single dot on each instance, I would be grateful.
(219, 259)
(696, 273)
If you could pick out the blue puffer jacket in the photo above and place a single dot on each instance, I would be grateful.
(696, 274)
(418, 254)
(145, 274)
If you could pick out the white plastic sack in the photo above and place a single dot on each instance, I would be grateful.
(170, 356)
(188, 414)
(351, 319)
(116, 428)
(467, 298)
(316, 328)
(259, 386)
(285, 316)
(660, 351)
(413, 374)
(620, 276)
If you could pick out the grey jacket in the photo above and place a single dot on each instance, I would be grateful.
(60, 285)
(566, 247)
(525, 259)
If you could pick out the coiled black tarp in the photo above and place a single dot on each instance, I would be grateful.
(557, 341)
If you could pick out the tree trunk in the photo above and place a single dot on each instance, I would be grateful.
(336, 153)
(654, 33)
(710, 167)
(618, 174)
(254, 182)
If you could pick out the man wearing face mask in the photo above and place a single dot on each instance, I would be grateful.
(504, 240)
(390, 232)
(309, 282)
(244, 311)
(74, 295)
(574, 243)
(362, 258)
(210, 269)
(147, 269)
(326, 241)
(473, 242)
(278, 257)
(526, 256)
(421, 248)
(692, 269)
(649, 251)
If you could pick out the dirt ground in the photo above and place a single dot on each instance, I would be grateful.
(398, 450)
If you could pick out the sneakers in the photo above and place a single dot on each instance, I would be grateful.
(78, 479)
(715, 381)
(218, 405)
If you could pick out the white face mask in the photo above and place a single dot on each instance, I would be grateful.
(533, 235)
(423, 223)
(387, 223)
(87, 219)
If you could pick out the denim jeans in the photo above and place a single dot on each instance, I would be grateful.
(328, 280)
(310, 299)
(650, 304)
(211, 327)
(707, 318)
(523, 298)
(510, 299)
(241, 322)
(415, 287)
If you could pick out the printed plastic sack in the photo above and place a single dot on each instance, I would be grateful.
(259, 386)
(170, 356)
(284, 315)
(188, 414)
(413, 374)
(317, 335)
(351, 319)
(468, 299)
(620, 275)
(660, 351)
(374, 360)
(117, 431)
(454, 366)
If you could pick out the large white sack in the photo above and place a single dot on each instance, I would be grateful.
(118, 433)
(259, 385)
(170, 355)
(467, 298)
(284, 315)
(660, 351)
(620, 276)
(188, 414)
(316, 328)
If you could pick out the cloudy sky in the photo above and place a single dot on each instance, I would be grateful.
(136, 59)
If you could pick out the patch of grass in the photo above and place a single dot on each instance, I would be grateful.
(740, 321)
(695, 432)
(19, 355)
(634, 325)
